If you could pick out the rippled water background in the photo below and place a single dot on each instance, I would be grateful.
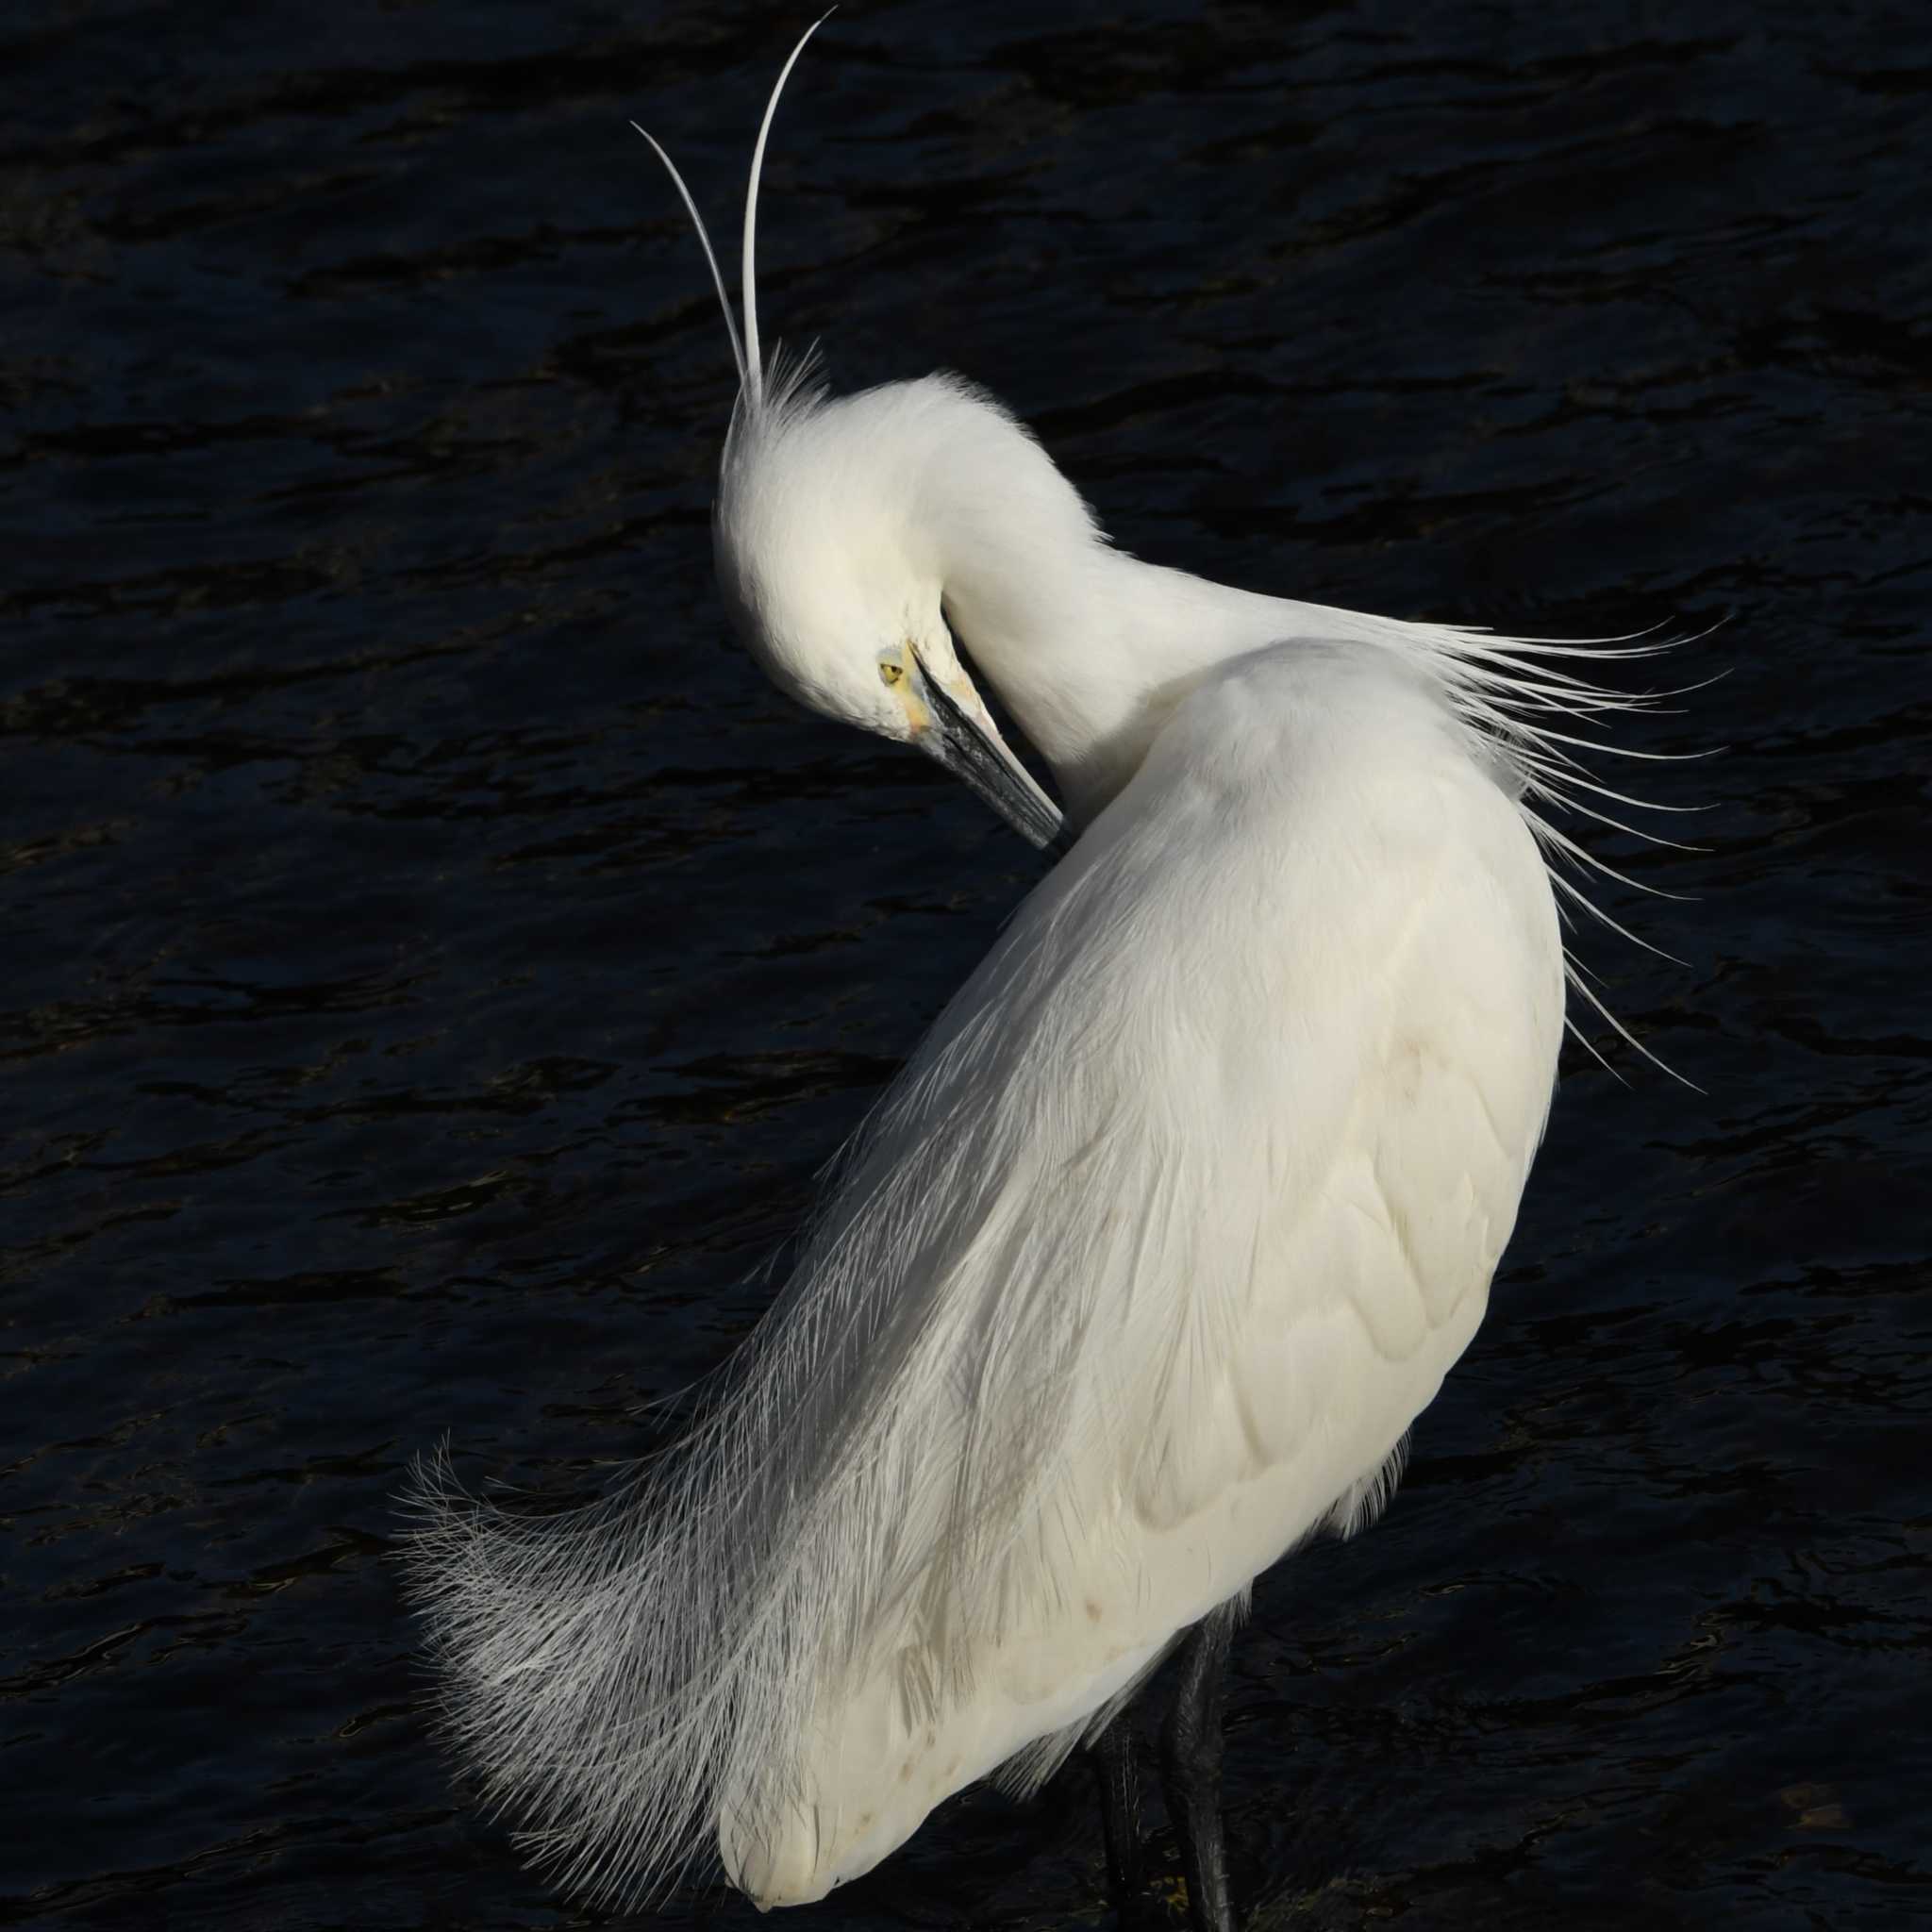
(436, 962)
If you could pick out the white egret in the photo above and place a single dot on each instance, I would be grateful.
(1145, 1266)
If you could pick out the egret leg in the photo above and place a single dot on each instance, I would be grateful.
(1191, 1768)
(1120, 1818)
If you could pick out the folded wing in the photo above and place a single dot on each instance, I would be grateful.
(1136, 1278)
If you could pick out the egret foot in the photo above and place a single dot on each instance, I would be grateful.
(1191, 1768)
(1120, 1820)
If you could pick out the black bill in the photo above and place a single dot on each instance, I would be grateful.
(966, 749)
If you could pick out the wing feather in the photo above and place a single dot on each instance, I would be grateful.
(1140, 1275)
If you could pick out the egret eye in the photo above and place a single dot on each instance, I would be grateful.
(891, 672)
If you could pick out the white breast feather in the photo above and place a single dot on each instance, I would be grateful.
(1138, 1276)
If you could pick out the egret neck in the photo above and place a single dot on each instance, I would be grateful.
(1090, 649)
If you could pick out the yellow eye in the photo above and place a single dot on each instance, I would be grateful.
(891, 672)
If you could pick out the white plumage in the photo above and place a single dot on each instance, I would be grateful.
(1169, 1230)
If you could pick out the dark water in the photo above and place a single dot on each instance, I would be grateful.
(436, 963)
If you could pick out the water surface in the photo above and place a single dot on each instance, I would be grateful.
(437, 962)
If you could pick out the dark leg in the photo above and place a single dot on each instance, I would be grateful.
(1191, 1768)
(1120, 1818)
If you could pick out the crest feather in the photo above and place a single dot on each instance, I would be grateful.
(745, 351)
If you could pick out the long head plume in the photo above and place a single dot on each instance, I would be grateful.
(744, 350)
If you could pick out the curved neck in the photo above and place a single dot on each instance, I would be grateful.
(1088, 648)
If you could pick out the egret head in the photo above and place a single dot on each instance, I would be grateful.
(821, 561)
(828, 567)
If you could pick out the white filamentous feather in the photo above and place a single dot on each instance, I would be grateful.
(1011, 1305)
(619, 1675)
